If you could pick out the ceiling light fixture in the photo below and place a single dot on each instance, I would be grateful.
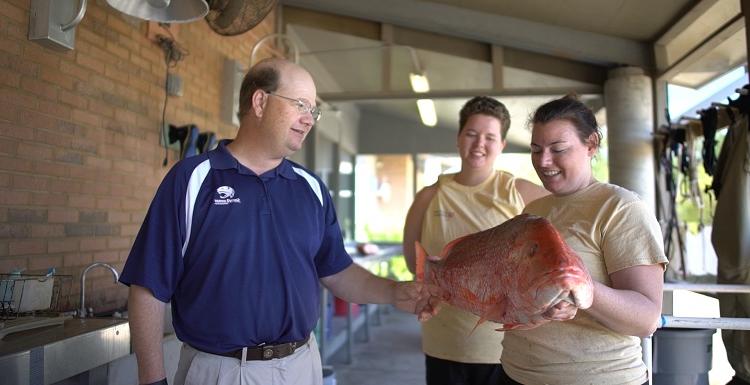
(427, 112)
(426, 107)
(419, 83)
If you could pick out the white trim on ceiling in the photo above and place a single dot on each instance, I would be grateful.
(493, 29)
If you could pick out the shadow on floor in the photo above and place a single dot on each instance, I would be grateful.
(392, 356)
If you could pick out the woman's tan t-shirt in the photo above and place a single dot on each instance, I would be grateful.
(457, 210)
(611, 229)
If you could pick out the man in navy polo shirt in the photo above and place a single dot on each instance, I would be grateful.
(238, 239)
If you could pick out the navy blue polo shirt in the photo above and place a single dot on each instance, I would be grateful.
(238, 255)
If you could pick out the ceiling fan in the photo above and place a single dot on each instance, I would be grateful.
(225, 17)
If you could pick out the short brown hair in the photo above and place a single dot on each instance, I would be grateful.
(262, 76)
(485, 105)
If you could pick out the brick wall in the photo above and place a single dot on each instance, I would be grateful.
(79, 137)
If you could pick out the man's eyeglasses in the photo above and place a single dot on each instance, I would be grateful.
(303, 106)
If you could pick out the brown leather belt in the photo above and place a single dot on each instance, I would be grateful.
(266, 352)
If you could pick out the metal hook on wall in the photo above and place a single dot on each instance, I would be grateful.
(77, 19)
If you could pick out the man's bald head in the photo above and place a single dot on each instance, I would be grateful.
(266, 75)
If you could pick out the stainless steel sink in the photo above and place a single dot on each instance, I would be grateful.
(48, 355)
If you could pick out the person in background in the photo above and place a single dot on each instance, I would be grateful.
(238, 239)
(619, 240)
(476, 198)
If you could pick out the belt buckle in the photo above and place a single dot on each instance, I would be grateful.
(267, 352)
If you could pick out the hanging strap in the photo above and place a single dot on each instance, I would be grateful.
(710, 121)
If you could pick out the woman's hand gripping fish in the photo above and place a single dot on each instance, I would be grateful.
(520, 274)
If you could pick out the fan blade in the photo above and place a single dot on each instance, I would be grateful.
(227, 17)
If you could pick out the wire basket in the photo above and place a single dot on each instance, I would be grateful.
(30, 294)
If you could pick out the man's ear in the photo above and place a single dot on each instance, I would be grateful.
(258, 102)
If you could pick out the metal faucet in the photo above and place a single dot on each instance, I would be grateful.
(82, 311)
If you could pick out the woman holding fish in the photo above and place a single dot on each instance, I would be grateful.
(619, 240)
(457, 349)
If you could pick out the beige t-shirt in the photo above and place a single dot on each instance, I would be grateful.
(611, 229)
(457, 210)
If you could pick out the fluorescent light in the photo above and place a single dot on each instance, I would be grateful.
(345, 168)
(427, 113)
(419, 83)
(426, 107)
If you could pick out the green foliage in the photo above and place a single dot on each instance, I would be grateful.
(600, 169)
(688, 207)
(394, 234)
(399, 270)
(600, 163)
(396, 269)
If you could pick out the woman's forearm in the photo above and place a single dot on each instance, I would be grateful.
(633, 305)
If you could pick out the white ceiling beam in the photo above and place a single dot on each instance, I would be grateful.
(695, 26)
(685, 22)
(386, 35)
(445, 94)
(492, 29)
(497, 67)
(497, 56)
(705, 47)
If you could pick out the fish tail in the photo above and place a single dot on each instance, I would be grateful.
(421, 260)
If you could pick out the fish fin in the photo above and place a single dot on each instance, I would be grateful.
(507, 327)
(421, 260)
(448, 247)
(481, 321)
(496, 312)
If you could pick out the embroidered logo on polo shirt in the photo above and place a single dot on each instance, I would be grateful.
(226, 196)
(443, 213)
(225, 192)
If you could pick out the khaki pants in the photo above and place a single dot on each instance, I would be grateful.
(200, 368)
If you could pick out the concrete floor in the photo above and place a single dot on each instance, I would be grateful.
(392, 356)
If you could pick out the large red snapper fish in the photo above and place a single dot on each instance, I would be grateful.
(513, 274)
